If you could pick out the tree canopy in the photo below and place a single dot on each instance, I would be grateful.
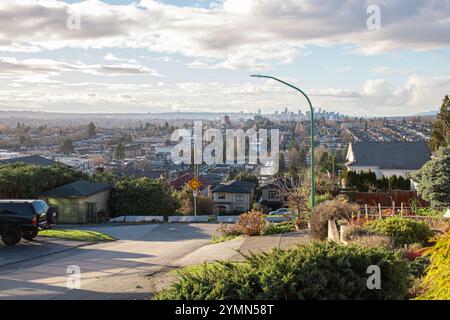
(434, 178)
(440, 132)
(91, 130)
(21, 181)
(67, 146)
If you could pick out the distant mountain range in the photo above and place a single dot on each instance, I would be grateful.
(427, 113)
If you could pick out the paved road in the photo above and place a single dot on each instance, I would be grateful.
(113, 270)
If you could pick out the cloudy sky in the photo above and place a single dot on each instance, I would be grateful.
(197, 55)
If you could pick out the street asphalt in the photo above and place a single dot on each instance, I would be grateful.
(128, 268)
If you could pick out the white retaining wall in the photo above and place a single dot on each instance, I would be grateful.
(173, 219)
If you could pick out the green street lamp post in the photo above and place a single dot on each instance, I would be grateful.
(313, 177)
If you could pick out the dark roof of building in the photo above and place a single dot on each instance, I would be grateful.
(235, 186)
(139, 173)
(278, 183)
(391, 155)
(180, 182)
(80, 188)
(34, 160)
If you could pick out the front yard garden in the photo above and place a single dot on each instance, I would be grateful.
(412, 257)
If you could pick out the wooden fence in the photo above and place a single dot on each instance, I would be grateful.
(383, 212)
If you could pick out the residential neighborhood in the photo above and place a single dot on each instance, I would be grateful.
(223, 158)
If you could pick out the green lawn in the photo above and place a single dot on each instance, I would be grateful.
(77, 235)
(219, 239)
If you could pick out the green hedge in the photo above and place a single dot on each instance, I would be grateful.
(141, 196)
(402, 231)
(22, 181)
(312, 271)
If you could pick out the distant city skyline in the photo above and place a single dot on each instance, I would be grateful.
(117, 56)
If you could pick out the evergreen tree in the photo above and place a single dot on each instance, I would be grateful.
(434, 179)
(120, 151)
(67, 146)
(440, 132)
(91, 130)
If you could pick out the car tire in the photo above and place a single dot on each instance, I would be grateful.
(11, 235)
(30, 235)
(52, 216)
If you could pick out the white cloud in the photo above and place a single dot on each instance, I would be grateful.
(241, 34)
(375, 97)
(11, 67)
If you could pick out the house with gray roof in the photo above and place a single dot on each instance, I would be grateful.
(80, 201)
(33, 160)
(233, 197)
(387, 158)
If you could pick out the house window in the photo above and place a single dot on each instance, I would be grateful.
(221, 195)
(239, 198)
(273, 194)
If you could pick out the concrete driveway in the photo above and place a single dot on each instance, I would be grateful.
(113, 270)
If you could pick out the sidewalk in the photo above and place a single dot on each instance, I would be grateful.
(229, 250)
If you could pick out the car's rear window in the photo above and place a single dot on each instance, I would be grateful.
(40, 206)
(16, 208)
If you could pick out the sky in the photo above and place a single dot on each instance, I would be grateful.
(357, 57)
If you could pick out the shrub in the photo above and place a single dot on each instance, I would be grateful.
(185, 202)
(277, 228)
(323, 197)
(437, 280)
(372, 241)
(22, 181)
(429, 212)
(252, 223)
(402, 231)
(352, 231)
(141, 196)
(336, 209)
(418, 266)
(324, 270)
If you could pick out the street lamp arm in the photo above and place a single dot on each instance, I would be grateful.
(311, 117)
(287, 84)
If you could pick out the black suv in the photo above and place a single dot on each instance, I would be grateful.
(24, 218)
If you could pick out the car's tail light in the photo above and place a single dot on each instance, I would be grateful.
(34, 220)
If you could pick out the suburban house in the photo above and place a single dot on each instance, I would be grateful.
(387, 158)
(233, 197)
(180, 182)
(271, 197)
(78, 164)
(80, 201)
(33, 160)
(141, 173)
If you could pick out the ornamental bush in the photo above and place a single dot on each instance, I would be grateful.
(280, 227)
(437, 280)
(402, 231)
(336, 209)
(324, 270)
(252, 223)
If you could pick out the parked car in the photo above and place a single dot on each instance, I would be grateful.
(24, 218)
(280, 211)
